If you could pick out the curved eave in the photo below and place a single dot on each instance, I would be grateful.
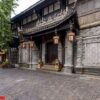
(35, 7)
(27, 10)
(53, 25)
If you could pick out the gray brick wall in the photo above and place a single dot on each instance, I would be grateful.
(88, 48)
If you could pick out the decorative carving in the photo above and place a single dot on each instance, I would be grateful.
(40, 63)
(57, 65)
(48, 21)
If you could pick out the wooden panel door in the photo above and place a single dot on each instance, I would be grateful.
(51, 52)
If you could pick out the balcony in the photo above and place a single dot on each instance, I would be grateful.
(48, 21)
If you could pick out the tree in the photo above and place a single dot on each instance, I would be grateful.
(6, 7)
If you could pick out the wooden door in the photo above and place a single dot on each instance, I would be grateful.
(51, 52)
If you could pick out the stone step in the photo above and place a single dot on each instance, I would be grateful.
(49, 68)
(66, 70)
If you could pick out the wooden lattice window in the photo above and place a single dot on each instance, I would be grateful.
(51, 8)
(29, 19)
(46, 11)
(24, 21)
(34, 16)
(57, 5)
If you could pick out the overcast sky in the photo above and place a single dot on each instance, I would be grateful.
(23, 4)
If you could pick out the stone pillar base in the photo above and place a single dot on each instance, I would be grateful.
(33, 66)
(67, 69)
(28, 66)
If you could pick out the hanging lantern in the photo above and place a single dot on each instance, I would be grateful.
(31, 45)
(71, 36)
(24, 45)
(27, 45)
(56, 39)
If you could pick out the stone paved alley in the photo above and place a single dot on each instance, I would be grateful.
(17, 84)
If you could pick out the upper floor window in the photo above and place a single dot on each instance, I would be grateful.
(24, 21)
(57, 5)
(45, 11)
(51, 8)
(34, 16)
(29, 19)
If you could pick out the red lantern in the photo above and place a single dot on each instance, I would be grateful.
(56, 39)
(71, 36)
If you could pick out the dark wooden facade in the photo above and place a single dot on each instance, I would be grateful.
(40, 23)
(37, 26)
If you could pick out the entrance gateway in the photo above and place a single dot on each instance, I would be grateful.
(38, 29)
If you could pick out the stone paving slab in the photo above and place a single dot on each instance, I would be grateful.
(17, 84)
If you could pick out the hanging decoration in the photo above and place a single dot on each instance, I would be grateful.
(71, 36)
(56, 38)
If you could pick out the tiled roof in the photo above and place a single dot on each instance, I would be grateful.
(28, 9)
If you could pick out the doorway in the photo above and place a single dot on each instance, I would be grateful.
(51, 52)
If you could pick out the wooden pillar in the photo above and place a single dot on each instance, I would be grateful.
(20, 55)
(60, 52)
(79, 52)
(35, 56)
(43, 52)
(30, 57)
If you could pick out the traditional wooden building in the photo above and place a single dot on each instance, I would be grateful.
(59, 35)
